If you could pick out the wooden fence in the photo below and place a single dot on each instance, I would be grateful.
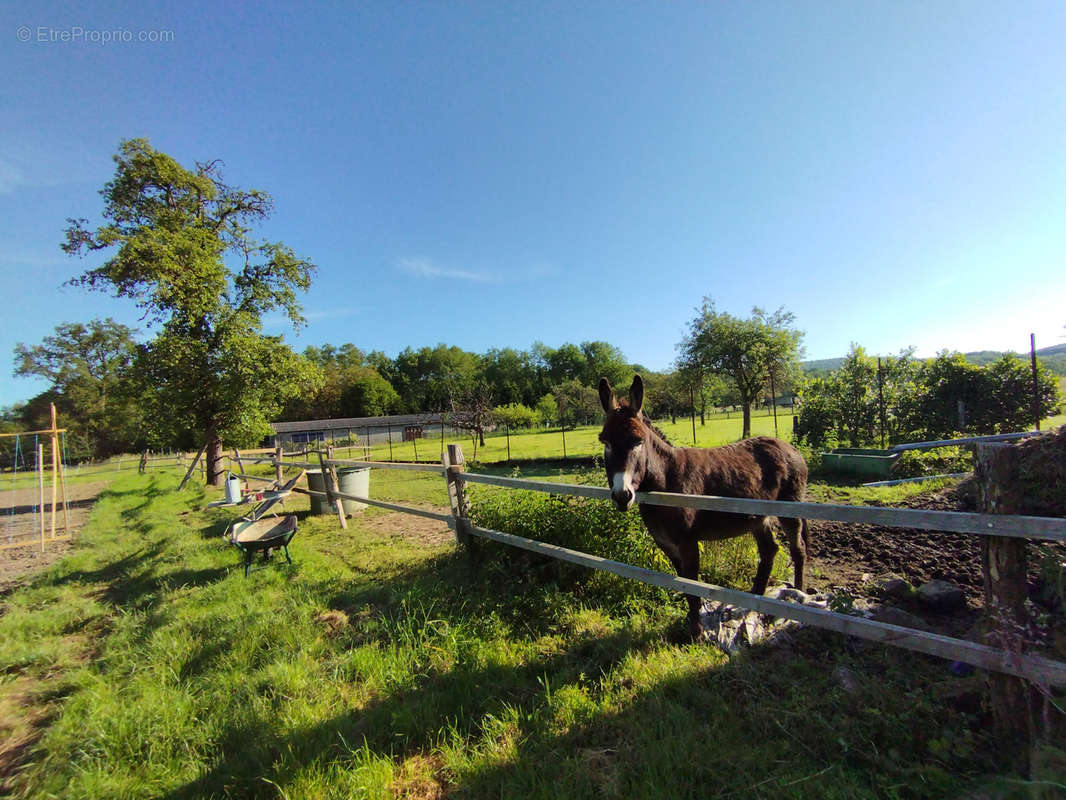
(1037, 669)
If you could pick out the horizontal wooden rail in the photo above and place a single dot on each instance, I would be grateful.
(344, 462)
(1034, 668)
(1049, 528)
(447, 519)
(401, 465)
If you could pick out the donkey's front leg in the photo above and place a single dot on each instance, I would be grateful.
(687, 565)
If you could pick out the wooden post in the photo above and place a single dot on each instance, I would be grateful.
(63, 492)
(1013, 700)
(1036, 382)
(442, 437)
(507, 433)
(563, 429)
(40, 488)
(192, 466)
(389, 426)
(237, 458)
(55, 464)
(880, 399)
(279, 455)
(329, 477)
(692, 402)
(453, 470)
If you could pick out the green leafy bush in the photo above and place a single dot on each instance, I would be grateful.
(942, 461)
(578, 523)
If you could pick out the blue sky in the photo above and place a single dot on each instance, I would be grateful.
(493, 174)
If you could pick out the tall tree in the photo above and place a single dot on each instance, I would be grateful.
(88, 366)
(744, 350)
(184, 253)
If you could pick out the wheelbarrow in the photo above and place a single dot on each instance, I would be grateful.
(263, 535)
(255, 533)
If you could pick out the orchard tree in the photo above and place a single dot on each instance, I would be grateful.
(749, 352)
(181, 247)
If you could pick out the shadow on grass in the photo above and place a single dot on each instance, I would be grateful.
(674, 737)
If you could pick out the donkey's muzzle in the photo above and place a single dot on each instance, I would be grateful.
(623, 499)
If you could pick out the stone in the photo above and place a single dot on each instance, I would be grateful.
(896, 588)
(897, 616)
(941, 596)
(847, 679)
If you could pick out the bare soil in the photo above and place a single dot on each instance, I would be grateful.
(20, 524)
(420, 529)
(850, 556)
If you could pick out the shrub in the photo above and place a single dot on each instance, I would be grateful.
(578, 523)
(942, 461)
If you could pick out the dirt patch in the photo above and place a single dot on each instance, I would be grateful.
(420, 529)
(20, 525)
(846, 556)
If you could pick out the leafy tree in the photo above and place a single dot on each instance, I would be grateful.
(429, 379)
(512, 375)
(184, 253)
(547, 409)
(746, 351)
(89, 369)
(364, 393)
(603, 360)
(565, 364)
(515, 415)
(577, 404)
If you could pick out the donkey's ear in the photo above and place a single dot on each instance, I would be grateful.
(636, 394)
(607, 396)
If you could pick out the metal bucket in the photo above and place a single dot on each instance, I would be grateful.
(351, 480)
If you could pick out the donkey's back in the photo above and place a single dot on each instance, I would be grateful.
(763, 468)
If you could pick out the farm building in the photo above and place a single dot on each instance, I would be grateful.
(362, 430)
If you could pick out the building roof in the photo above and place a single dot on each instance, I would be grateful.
(397, 420)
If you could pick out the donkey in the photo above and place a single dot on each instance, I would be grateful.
(640, 459)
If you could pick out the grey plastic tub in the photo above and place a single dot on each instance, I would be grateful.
(351, 480)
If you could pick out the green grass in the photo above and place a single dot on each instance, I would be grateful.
(145, 665)
(547, 443)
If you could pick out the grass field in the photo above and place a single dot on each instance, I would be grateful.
(384, 664)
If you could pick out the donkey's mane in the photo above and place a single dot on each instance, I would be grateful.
(644, 418)
(647, 421)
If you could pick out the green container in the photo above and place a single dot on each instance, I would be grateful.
(860, 462)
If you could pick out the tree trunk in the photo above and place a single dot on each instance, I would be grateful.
(213, 457)
(746, 433)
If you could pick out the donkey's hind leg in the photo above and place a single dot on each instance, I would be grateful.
(796, 530)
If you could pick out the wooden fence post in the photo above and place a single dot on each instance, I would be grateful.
(192, 466)
(329, 477)
(1004, 559)
(40, 488)
(279, 455)
(453, 470)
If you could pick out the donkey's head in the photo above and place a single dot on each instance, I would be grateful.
(624, 438)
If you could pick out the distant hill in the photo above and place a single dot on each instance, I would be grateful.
(1052, 357)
